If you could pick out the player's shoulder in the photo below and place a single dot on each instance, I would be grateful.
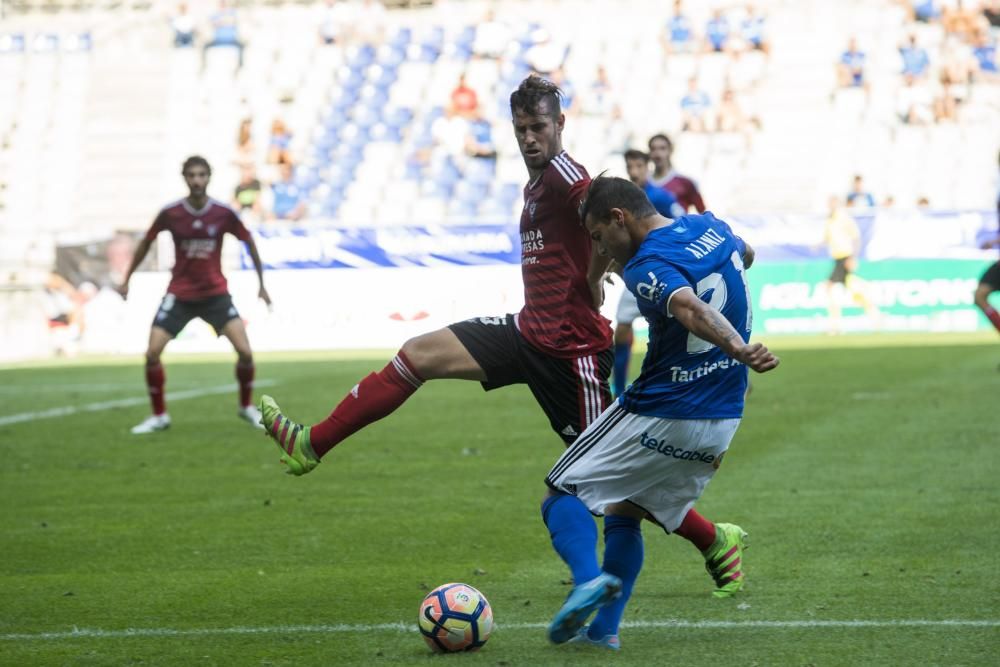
(223, 207)
(686, 181)
(172, 207)
(564, 172)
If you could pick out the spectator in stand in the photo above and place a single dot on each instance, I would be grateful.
(677, 36)
(492, 36)
(925, 11)
(546, 55)
(959, 20)
(914, 102)
(370, 22)
(479, 139)
(600, 97)
(569, 105)
(985, 51)
(288, 199)
(730, 117)
(717, 32)
(246, 152)
(464, 100)
(225, 31)
(246, 197)
(991, 12)
(915, 60)
(695, 106)
(278, 151)
(335, 22)
(752, 30)
(183, 26)
(858, 196)
(851, 68)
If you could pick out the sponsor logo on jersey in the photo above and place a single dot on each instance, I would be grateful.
(530, 207)
(651, 291)
(662, 447)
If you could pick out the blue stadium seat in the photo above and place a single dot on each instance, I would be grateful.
(45, 43)
(12, 43)
(401, 38)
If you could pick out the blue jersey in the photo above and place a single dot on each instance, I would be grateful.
(663, 201)
(683, 376)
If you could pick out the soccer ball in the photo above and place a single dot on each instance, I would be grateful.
(455, 617)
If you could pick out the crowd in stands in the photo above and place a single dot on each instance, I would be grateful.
(416, 105)
(949, 49)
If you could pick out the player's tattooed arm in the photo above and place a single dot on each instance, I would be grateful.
(712, 326)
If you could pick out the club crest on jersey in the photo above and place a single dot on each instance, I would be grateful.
(652, 290)
(530, 207)
(211, 229)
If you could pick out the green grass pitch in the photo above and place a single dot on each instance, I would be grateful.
(865, 472)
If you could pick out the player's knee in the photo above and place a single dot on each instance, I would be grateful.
(152, 358)
(244, 357)
(420, 353)
(981, 297)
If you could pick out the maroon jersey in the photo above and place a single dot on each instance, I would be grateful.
(683, 188)
(197, 235)
(558, 317)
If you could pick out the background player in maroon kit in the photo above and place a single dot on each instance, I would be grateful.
(197, 287)
(558, 344)
(683, 188)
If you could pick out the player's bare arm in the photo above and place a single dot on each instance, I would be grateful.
(259, 267)
(710, 325)
(599, 265)
(140, 254)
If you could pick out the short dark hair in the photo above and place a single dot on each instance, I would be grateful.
(196, 161)
(530, 94)
(636, 154)
(653, 138)
(608, 192)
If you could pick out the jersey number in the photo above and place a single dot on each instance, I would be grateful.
(713, 282)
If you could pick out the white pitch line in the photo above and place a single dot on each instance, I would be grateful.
(67, 410)
(93, 633)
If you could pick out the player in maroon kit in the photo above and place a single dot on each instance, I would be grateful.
(559, 344)
(683, 188)
(197, 287)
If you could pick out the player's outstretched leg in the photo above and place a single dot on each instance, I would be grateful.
(583, 600)
(292, 438)
(724, 560)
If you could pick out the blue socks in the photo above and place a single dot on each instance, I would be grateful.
(623, 553)
(619, 375)
(574, 535)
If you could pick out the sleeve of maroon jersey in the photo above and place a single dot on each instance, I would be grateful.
(568, 180)
(159, 224)
(236, 226)
(699, 203)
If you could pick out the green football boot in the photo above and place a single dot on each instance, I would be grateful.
(292, 439)
(724, 560)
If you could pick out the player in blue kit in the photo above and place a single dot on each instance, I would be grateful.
(651, 454)
(666, 204)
